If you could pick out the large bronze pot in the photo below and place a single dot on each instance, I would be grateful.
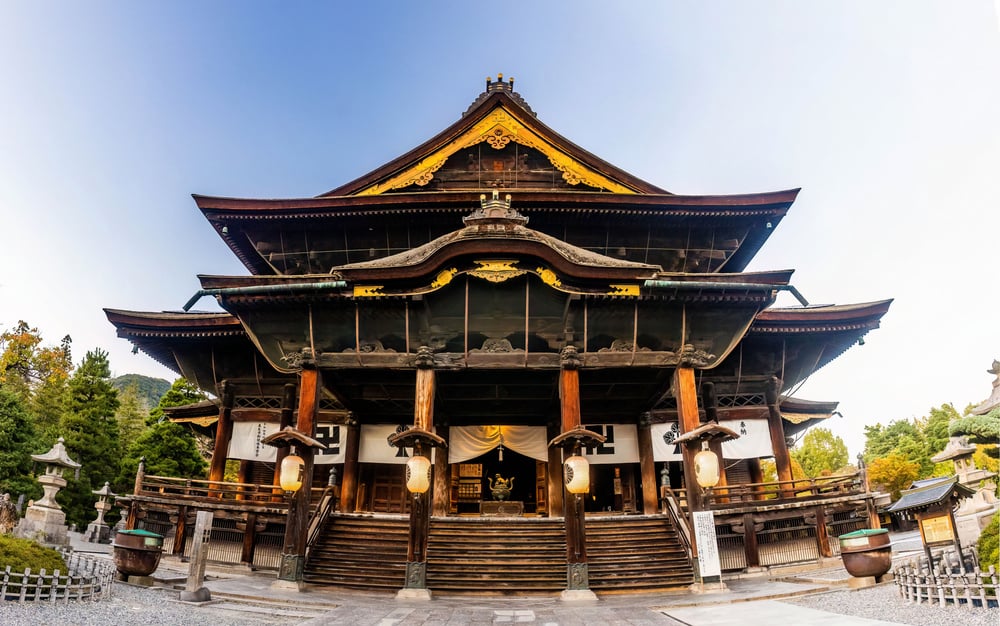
(137, 552)
(866, 552)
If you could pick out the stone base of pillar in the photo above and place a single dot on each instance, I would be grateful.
(578, 595)
(97, 533)
(708, 587)
(413, 594)
(44, 525)
(291, 567)
(197, 596)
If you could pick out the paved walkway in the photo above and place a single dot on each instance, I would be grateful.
(746, 601)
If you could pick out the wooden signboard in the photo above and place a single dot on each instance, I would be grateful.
(936, 528)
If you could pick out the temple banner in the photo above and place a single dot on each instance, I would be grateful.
(754, 441)
(246, 445)
(621, 444)
(375, 446)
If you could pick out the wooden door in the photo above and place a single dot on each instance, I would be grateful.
(388, 494)
(541, 487)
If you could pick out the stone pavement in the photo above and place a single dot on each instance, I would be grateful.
(749, 600)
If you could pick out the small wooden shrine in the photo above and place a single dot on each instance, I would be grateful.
(500, 286)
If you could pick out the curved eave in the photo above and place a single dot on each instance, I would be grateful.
(155, 332)
(765, 210)
(474, 115)
(861, 316)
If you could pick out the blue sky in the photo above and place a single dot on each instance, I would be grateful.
(885, 113)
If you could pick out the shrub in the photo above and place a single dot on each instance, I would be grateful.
(989, 544)
(21, 554)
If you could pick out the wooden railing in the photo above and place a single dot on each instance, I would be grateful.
(784, 491)
(207, 493)
(944, 585)
(677, 510)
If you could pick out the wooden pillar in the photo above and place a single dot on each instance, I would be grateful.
(349, 481)
(750, 548)
(711, 406)
(249, 540)
(822, 535)
(223, 433)
(554, 475)
(243, 476)
(756, 476)
(442, 478)
(647, 468)
(782, 460)
(293, 554)
(687, 420)
(180, 530)
(287, 412)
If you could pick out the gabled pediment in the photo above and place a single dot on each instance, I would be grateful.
(498, 143)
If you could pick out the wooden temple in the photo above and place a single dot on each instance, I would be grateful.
(499, 286)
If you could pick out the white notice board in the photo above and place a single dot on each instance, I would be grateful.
(708, 548)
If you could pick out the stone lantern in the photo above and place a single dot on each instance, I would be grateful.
(44, 521)
(97, 530)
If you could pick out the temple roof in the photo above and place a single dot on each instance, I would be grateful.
(931, 494)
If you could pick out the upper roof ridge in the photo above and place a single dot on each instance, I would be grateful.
(500, 86)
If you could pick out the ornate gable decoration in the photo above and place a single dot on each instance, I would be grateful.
(498, 129)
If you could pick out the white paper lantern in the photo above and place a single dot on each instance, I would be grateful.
(706, 468)
(576, 471)
(418, 474)
(290, 476)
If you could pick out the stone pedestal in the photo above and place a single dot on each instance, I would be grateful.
(44, 525)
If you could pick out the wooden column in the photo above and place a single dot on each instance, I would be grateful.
(711, 406)
(554, 475)
(569, 392)
(647, 468)
(287, 412)
(442, 478)
(223, 433)
(349, 481)
(249, 540)
(750, 548)
(180, 530)
(293, 555)
(782, 460)
(756, 476)
(822, 535)
(687, 420)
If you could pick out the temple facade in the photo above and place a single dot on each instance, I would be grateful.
(501, 288)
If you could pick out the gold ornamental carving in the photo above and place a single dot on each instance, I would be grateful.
(444, 277)
(548, 277)
(624, 290)
(497, 130)
(368, 291)
(496, 271)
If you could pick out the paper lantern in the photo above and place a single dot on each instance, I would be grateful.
(706, 468)
(290, 476)
(576, 471)
(418, 474)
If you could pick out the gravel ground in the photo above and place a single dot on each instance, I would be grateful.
(884, 602)
(133, 606)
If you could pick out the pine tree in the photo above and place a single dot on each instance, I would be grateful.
(91, 433)
(131, 415)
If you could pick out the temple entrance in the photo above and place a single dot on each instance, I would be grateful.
(471, 482)
(612, 489)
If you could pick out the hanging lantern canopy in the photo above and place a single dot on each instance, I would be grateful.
(706, 467)
(576, 471)
(418, 474)
(290, 476)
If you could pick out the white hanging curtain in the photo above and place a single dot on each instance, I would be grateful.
(621, 444)
(468, 442)
(245, 443)
(664, 448)
(754, 441)
(375, 446)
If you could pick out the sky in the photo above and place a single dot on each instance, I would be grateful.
(886, 114)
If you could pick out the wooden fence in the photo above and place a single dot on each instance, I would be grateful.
(944, 585)
(87, 579)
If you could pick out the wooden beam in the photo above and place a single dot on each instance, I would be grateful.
(442, 478)
(554, 472)
(298, 515)
(776, 428)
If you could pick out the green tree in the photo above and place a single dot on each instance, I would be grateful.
(151, 389)
(91, 432)
(169, 448)
(15, 454)
(902, 437)
(821, 454)
(935, 427)
(893, 472)
(131, 415)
